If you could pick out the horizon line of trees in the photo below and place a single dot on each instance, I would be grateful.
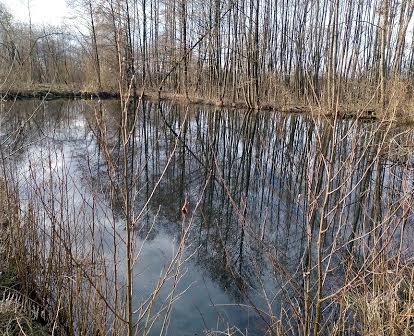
(255, 51)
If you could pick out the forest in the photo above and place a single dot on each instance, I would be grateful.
(258, 53)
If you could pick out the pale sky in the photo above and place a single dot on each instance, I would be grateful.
(42, 11)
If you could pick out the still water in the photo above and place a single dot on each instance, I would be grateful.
(248, 182)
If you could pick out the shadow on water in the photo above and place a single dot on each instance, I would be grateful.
(249, 182)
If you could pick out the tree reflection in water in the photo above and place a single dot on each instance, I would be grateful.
(254, 186)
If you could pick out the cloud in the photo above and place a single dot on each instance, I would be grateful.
(41, 11)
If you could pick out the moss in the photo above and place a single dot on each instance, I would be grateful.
(9, 278)
(13, 323)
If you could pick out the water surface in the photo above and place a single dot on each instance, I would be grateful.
(249, 179)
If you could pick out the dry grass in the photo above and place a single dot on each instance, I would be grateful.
(15, 308)
(384, 305)
(14, 320)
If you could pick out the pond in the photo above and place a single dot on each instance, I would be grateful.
(224, 203)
